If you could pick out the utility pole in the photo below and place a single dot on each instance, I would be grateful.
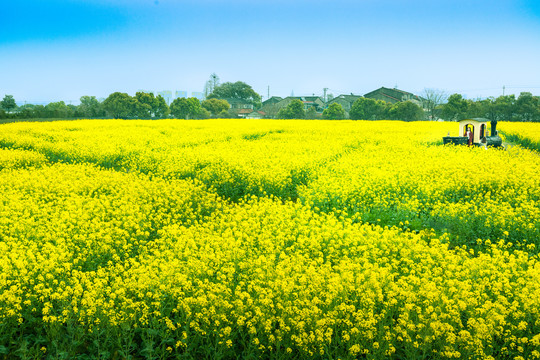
(268, 92)
(503, 89)
(324, 96)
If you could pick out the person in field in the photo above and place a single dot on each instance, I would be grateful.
(470, 136)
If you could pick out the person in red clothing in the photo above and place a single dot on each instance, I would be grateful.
(470, 136)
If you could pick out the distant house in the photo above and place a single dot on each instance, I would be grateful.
(272, 101)
(346, 101)
(309, 102)
(394, 96)
(239, 104)
(251, 114)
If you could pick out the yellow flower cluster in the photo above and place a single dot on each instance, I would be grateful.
(525, 134)
(119, 239)
(526, 130)
(10, 158)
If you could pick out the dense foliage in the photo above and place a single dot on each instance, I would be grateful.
(243, 239)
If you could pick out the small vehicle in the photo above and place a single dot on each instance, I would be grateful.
(479, 137)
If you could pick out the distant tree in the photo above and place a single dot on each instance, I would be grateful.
(3, 114)
(90, 107)
(505, 108)
(311, 113)
(119, 105)
(238, 90)
(8, 103)
(528, 107)
(294, 110)
(211, 84)
(368, 109)
(144, 103)
(186, 108)
(334, 112)
(455, 109)
(160, 107)
(58, 110)
(215, 106)
(406, 111)
(433, 98)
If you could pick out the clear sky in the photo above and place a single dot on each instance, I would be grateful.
(63, 49)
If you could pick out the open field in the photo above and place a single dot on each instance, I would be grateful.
(273, 239)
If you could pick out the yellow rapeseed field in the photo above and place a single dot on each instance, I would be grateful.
(266, 239)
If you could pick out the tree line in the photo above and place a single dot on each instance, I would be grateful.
(118, 106)
(143, 105)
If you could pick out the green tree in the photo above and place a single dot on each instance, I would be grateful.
(119, 105)
(238, 90)
(215, 106)
(528, 107)
(182, 108)
(505, 108)
(334, 111)
(144, 104)
(294, 110)
(8, 103)
(160, 107)
(148, 106)
(455, 109)
(368, 109)
(406, 111)
(90, 107)
(311, 113)
(58, 110)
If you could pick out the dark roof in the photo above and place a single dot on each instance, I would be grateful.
(273, 99)
(391, 93)
(350, 98)
(304, 98)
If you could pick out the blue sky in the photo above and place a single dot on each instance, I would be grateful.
(61, 50)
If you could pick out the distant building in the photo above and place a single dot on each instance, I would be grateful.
(309, 102)
(180, 94)
(272, 101)
(394, 96)
(239, 104)
(198, 95)
(346, 101)
(250, 114)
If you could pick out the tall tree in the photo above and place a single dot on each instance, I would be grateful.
(58, 110)
(334, 111)
(90, 107)
(8, 103)
(182, 108)
(368, 109)
(434, 98)
(120, 105)
(528, 107)
(160, 107)
(294, 110)
(238, 90)
(215, 106)
(144, 104)
(406, 111)
(455, 109)
(505, 107)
